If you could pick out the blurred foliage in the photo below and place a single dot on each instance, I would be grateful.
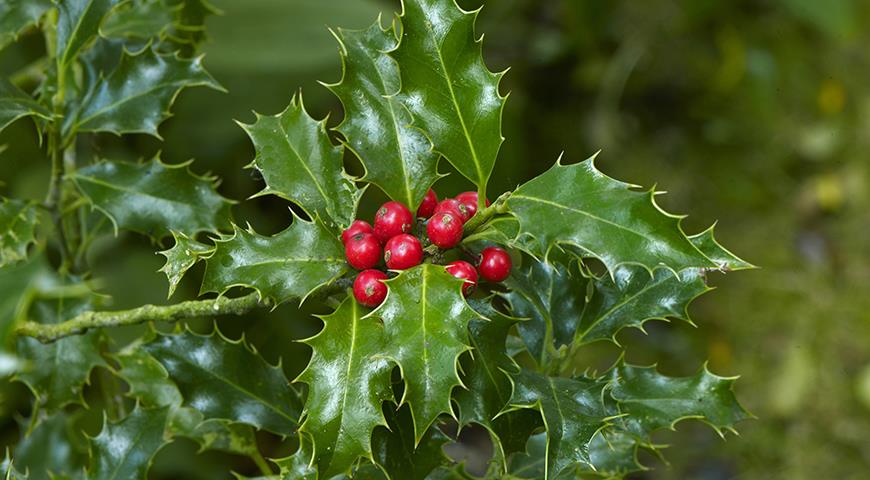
(755, 113)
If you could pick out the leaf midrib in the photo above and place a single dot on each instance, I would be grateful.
(617, 306)
(286, 138)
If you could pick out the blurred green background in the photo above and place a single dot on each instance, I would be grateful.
(753, 113)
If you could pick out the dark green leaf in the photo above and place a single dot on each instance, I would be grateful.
(532, 463)
(17, 283)
(426, 323)
(141, 19)
(227, 380)
(154, 198)
(614, 454)
(17, 15)
(137, 95)
(51, 449)
(124, 450)
(602, 218)
(348, 380)
(78, 22)
(450, 473)
(397, 451)
(573, 412)
(299, 163)
(448, 89)
(288, 265)
(15, 104)
(8, 469)
(398, 158)
(18, 221)
(183, 255)
(298, 466)
(706, 243)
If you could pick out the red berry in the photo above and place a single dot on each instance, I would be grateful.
(402, 252)
(444, 229)
(465, 271)
(392, 219)
(469, 200)
(369, 288)
(495, 264)
(358, 226)
(362, 251)
(427, 208)
(453, 206)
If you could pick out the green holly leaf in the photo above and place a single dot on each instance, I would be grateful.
(18, 15)
(653, 401)
(602, 218)
(299, 163)
(289, 265)
(450, 473)
(125, 449)
(16, 104)
(17, 284)
(631, 297)
(136, 96)
(60, 369)
(426, 323)
(399, 454)
(78, 22)
(225, 379)
(706, 243)
(51, 449)
(154, 198)
(299, 465)
(18, 221)
(181, 257)
(614, 454)
(139, 19)
(448, 89)
(347, 381)
(397, 157)
(188, 29)
(532, 463)
(8, 470)
(573, 411)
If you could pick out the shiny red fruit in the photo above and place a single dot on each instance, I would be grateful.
(427, 208)
(363, 251)
(469, 200)
(358, 226)
(464, 270)
(444, 229)
(495, 264)
(402, 252)
(451, 205)
(392, 219)
(369, 288)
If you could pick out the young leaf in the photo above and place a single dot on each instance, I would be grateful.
(448, 89)
(154, 198)
(183, 255)
(17, 15)
(654, 401)
(573, 412)
(137, 95)
(228, 380)
(125, 449)
(15, 104)
(78, 21)
(18, 221)
(398, 158)
(288, 265)
(426, 324)
(51, 449)
(299, 163)
(399, 454)
(348, 381)
(602, 218)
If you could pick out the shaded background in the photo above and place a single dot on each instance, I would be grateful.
(752, 113)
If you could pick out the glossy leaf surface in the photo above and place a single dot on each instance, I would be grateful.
(706, 243)
(398, 158)
(181, 257)
(18, 221)
(17, 15)
(448, 89)
(399, 455)
(15, 104)
(288, 265)
(124, 450)
(153, 198)
(78, 22)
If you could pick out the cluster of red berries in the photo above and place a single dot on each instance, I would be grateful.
(402, 250)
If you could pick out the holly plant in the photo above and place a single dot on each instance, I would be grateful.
(444, 312)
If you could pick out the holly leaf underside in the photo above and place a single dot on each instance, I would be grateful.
(16, 104)
(226, 380)
(154, 198)
(18, 221)
(602, 218)
(453, 97)
(17, 16)
(288, 265)
(397, 157)
(299, 163)
(125, 449)
(181, 257)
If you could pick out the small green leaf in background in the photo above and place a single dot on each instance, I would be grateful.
(299, 163)
(448, 89)
(285, 266)
(348, 381)
(15, 104)
(426, 323)
(601, 217)
(398, 158)
(17, 15)
(53, 449)
(78, 21)
(401, 455)
(226, 379)
(124, 450)
(183, 255)
(18, 221)
(154, 198)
